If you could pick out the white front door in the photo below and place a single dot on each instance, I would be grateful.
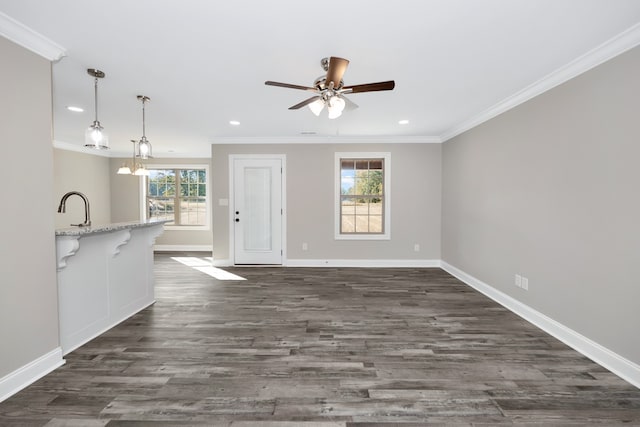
(257, 210)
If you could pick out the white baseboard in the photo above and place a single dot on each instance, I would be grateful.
(183, 248)
(368, 263)
(624, 368)
(12, 383)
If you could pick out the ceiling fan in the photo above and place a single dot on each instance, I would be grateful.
(329, 90)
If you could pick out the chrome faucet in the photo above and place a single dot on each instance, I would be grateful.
(87, 216)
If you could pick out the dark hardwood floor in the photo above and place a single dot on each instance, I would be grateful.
(322, 347)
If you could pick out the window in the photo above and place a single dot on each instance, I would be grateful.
(362, 196)
(178, 194)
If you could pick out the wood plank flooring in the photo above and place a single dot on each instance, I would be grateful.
(322, 347)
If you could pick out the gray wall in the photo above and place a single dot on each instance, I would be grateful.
(125, 201)
(415, 201)
(28, 293)
(125, 194)
(87, 173)
(549, 190)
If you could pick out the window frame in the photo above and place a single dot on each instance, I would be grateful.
(143, 195)
(386, 194)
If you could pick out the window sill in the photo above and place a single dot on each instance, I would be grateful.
(362, 237)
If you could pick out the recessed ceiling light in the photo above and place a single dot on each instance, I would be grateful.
(403, 122)
(75, 109)
(308, 132)
(234, 122)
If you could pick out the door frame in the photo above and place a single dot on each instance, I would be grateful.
(231, 214)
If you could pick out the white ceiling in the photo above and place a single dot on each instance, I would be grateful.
(204, 63)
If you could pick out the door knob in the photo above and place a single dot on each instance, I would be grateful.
(237, 219)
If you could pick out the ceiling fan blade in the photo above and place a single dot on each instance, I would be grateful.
(305, 102)
(337, 67)
(290, 86)
(369, 87)
(348, 104)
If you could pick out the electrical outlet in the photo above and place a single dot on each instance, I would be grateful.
(416, 247)
(305, 246)
(518, 280)
(525, 283)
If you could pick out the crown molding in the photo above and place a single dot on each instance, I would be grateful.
(330, 140)
(613, 47)
(205, 151)
(29, 39)
(118, 154)
(67, 146)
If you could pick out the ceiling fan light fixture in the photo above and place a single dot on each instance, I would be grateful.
(317, 106)
(335, 107)
(329, 89)
(334, 113)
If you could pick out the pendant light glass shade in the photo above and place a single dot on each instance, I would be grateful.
(144, 149)
(95, 135)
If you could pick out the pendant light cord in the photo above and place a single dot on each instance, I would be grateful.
(95, 88)
(143, 121)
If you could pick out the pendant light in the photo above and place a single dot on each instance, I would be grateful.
(137, 169)
(144, 146)
(124, 170)
(95, 135)
(141, 149)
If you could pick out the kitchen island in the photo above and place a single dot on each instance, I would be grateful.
(105, 275)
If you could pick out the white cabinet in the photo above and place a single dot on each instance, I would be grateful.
(105, 275)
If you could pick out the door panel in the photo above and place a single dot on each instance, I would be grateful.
(258, 211)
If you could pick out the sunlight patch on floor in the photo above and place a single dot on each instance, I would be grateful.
(205, 267)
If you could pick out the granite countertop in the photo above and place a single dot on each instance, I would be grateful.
(106, 228)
